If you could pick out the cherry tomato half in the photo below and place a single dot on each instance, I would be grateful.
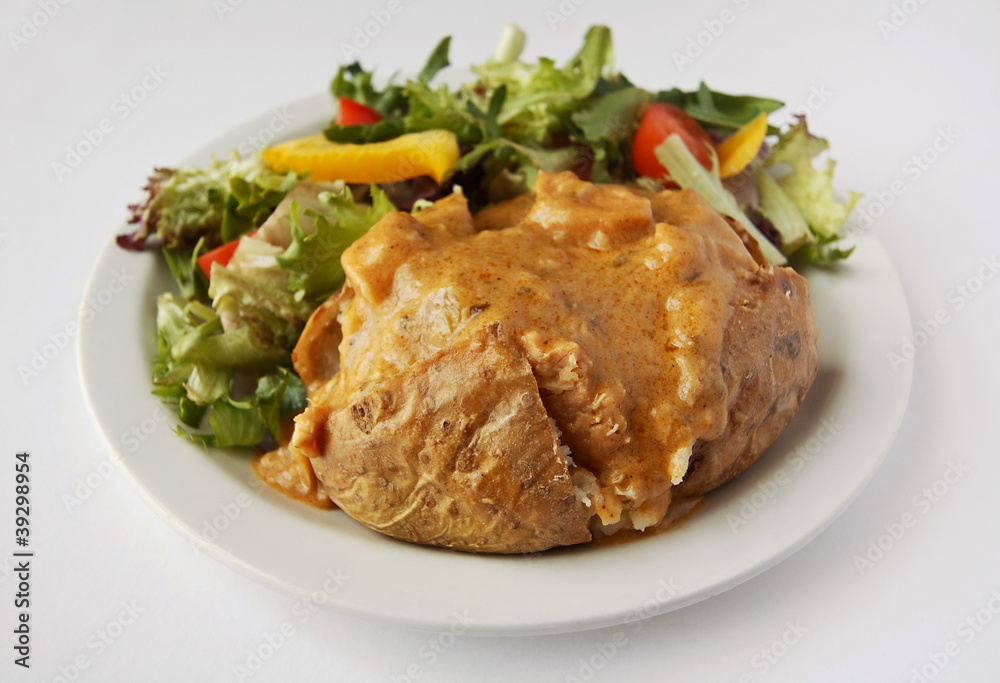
(658, 122)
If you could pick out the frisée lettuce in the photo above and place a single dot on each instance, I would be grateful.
(218, 202)
(313, 258)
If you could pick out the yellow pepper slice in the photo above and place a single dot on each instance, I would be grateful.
(739, 149)
(430, 152)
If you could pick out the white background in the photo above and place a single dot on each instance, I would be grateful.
(888, 95)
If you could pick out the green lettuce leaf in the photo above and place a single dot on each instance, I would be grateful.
(824, 252)
(433, 108)
(313, 258)
(252, 198)
(540, 97)
(393, 103)
(532, 84)
(246, 422)
(279, 395)
(184, 383)
(235, 423)
(719, 110)
(256, 258)
(544, 117)
(354, 82)
(606, 125)
(183, 266)
(611, 117)
(217, 203)
(811, 189)
(190, 334)
(189, 205)
(437, 60)
(489, 119)
(194, 371)
(273, 316)
(784, 215)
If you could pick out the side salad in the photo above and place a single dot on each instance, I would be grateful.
(254, 243)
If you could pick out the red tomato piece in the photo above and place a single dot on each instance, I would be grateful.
(351, 113)
(659, 121)
(221, 255)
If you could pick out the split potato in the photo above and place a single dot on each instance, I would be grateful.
(563, 365)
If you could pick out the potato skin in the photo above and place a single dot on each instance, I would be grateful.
(456, 451)
(770, 359)
(770, 350)
(316, 356)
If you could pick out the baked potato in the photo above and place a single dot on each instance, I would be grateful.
(563, 365)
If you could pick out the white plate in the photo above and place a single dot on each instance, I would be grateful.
(797, 489)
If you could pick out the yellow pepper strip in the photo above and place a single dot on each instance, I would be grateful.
(739, 149)
(430, 152)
